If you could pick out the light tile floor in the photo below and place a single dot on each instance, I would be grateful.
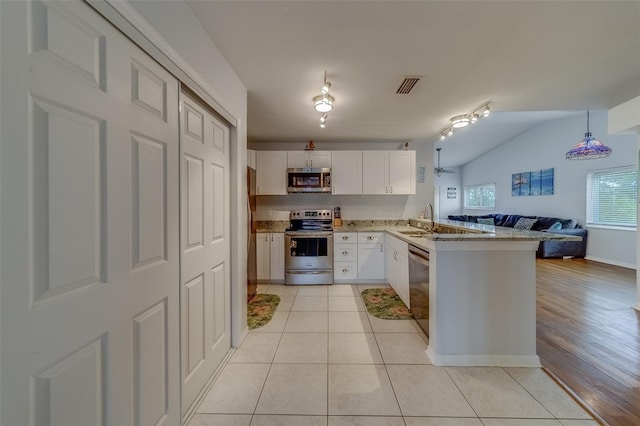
(324, 361)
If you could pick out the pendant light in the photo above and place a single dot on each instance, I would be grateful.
(589, 148)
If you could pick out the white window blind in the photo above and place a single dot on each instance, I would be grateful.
(612, 197)
(480, 196)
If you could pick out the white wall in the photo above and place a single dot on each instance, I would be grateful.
(542, 147)
(444, 182)
(353, 207)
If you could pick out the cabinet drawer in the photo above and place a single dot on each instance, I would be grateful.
(345, 252)
(345, 237)
(345, 271)
(370, 237)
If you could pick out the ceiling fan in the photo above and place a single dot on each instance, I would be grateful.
(440, 170)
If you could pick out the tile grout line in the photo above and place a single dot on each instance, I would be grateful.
(268, 371)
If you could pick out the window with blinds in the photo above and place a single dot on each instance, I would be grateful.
(612, 197)
(480, 196)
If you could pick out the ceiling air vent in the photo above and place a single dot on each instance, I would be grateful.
(408, 84)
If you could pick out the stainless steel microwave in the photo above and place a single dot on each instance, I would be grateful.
(309, 180)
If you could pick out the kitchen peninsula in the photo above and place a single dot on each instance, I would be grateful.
(482, 291)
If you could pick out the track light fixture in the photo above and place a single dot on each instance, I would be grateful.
(323, 120)
(324, 102)
(463, 120)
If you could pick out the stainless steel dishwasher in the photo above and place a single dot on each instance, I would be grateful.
(419, 286)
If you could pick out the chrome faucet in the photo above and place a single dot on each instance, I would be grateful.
(429, 208)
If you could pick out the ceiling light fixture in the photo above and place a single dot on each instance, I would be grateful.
(460, 121)
(589, 148)
(323, 120)
(463, 120)
(324, 102)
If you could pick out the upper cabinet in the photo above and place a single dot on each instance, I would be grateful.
(388, 172)
(402, 172)
(302, 159)
(251, 158)
(271, 172)
(346, 172)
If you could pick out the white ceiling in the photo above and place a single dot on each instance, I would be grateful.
(523, 56)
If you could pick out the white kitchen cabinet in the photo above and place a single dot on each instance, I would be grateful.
(346, 172)
(270, 256)
(371, 256)
(271, 172)
(397, 260)
(402, 172)
(375, 172)
(276, 251)
(251, 158)
(345, 256)
(389, 172)
(263, 246)
(315, 159)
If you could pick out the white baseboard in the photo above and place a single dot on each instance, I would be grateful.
(612, 262)
(483, 360)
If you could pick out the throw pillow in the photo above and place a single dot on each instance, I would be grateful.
(556, 225)
(486, 221)
(524, 223)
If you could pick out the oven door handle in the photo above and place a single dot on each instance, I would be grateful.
(308, 234)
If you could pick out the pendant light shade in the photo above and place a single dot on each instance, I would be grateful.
(589, 148)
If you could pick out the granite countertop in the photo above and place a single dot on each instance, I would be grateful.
(477, 232)
(263, 226)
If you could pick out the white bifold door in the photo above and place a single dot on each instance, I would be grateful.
(92, 205)
(204, 245)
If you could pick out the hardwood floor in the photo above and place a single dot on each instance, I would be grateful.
(588, 334)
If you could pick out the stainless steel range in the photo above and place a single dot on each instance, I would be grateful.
(308, 257)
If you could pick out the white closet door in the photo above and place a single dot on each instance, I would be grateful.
(89, 226)
(205, 246)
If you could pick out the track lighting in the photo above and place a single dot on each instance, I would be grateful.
(324, 102)
(323, 120)
(463, 120)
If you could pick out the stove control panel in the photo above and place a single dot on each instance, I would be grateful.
(310, 214)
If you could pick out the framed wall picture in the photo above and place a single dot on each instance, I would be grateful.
(538, 182)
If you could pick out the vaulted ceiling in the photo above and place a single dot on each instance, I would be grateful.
(522, 56)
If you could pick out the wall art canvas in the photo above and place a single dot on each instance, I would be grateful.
(538, 182)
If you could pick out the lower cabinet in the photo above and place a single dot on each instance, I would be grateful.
(371, 256)
(270, 256)
(358, 256)
(397, 259)
(345, 256)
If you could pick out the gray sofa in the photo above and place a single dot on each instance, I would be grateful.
(546, 249)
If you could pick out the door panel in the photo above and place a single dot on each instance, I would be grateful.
(89, 225)
(205, 245)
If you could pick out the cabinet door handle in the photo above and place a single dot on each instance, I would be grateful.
(345, 270)
(257, 190)
(392, 189)
(381, 248)
(345, 253)
(333, 190)
(370, 238)
(345, 238)
(271, 237)
(310, 163)
(386, 189)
